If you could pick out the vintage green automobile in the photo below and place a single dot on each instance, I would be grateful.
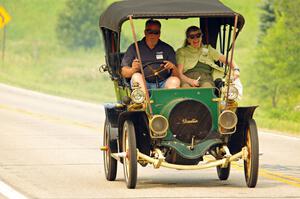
(184, 128)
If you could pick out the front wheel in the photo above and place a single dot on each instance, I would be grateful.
(130, 160)
(223, 173)
(251, 164)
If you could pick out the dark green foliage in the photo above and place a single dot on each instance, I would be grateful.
(77, 24)
(267, 17)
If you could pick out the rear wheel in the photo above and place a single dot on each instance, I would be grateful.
(251, 164)
(130, 161)
(110, 164)
(223, 173)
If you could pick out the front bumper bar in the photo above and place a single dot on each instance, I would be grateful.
(159, 161)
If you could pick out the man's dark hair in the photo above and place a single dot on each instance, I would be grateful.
(152, 22)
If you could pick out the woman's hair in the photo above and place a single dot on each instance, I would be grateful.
(188, 31)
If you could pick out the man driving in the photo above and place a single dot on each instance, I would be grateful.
(152, 49)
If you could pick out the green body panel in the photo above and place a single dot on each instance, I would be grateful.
(120, 91)
(164, 100)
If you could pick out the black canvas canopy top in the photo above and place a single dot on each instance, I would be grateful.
(118, 12)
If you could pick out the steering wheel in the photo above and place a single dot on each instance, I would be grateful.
(155, 71)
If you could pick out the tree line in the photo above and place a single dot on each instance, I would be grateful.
(77, 24)
(275, 76)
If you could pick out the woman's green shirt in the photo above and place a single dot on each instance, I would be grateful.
(189, 57)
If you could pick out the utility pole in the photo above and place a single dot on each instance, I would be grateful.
(3, 45)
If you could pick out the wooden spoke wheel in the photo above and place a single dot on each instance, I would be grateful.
(223, 173)
(251, 164)
(110, 164)
(130, 161)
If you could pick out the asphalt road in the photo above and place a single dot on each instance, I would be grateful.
(49, 148)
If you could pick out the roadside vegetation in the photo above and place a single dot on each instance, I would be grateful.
(36, 58)
(44, 52)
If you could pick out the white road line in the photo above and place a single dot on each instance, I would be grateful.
(44, 96)
(279, 135)
(9, 192)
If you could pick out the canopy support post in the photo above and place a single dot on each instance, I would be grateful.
(141, 65)
(228, 47)
(231, 57)
(224, 34)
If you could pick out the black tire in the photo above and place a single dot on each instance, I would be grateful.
(130, 161)
(110, 164)
(251, 164)
(223, 173)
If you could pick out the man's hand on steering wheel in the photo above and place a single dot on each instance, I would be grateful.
(157, 69)
(168, 65)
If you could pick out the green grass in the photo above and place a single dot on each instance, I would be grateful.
(282, 125)
(73, 75)
(34, 60)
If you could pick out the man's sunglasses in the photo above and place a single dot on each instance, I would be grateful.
(193, 36)
(155, 32)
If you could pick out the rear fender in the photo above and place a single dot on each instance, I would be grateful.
(113, 138)
(112, 112)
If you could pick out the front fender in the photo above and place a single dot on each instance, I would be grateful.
(141, 126)
(237, 140)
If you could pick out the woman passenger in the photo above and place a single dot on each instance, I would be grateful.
(196, 62)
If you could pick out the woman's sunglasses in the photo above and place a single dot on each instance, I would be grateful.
(154, 32)
(193, 36)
